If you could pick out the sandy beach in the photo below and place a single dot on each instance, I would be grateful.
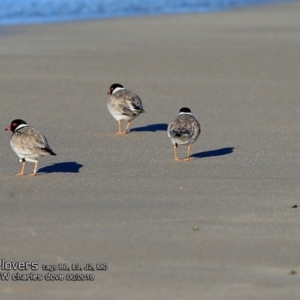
(219, 227)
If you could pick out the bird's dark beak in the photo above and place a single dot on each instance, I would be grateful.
(108, 93)
(8, 128)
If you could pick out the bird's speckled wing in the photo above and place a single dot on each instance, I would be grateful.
(126, 103)
(29, 142)
(184, 128)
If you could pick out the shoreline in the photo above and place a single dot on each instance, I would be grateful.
(37, 15)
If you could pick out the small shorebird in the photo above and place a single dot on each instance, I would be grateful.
(123, 105)
(28, 144)
(184, 130)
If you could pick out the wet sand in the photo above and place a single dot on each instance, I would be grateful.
(219, 227)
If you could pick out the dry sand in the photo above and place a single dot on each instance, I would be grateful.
(121, 200)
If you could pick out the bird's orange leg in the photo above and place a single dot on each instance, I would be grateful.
(22, 169)
(119, 132)
(175, 153)
(127, 127)
(189, 152)
(35, 168)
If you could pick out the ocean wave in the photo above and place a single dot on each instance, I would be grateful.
(32, 11)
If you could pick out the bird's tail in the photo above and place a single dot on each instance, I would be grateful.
(138, 108)
(50, 151)
(178, 132)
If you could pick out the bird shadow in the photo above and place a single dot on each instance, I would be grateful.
(62, 167)
(152, 127)
(216, 152)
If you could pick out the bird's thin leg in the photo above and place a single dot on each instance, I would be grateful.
(35, 168)
(119, 132)
(127, 127)
(189, 152)
(22, 169)
(175, 153)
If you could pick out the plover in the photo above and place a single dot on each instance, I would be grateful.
(184, 130)
(28, 144)
(123, 105)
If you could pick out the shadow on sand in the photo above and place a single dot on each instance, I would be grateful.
(216, 152)
(152, 127)
(62, 167)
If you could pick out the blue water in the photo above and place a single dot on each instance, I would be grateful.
(41, 11)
